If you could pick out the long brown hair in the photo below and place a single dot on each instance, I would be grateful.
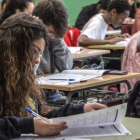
(17, 80)
(12, 6)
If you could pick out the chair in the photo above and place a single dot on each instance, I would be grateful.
(126, 29)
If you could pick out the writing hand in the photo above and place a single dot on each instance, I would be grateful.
(115, 40)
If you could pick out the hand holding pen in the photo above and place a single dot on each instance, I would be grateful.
(37, 115)
(44, 127)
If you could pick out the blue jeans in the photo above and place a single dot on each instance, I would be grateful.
(53, 97)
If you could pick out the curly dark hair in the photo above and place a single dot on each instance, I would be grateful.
(120, 5)
(17, 79)
(53, 12)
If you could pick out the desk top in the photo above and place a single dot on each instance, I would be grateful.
(91, 83)
(111, 47)
(132, 124)
(88, 53)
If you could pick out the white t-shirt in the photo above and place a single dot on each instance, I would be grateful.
(96, 28)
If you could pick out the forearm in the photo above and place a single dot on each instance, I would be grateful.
(110, 37)
(13, 127)
(85, 41)
(67, 110)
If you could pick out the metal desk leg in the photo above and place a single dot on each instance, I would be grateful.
(101, 62)
(128, 84)
(121, 57)
(70, 94)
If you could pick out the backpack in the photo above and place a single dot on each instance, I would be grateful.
(71, 37)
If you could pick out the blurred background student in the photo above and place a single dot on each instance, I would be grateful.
(88, 11)
(11, 7)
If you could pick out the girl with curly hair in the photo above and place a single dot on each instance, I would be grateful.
(22, 41)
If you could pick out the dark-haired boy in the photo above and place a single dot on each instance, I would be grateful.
(94, 31)
(54, 15)
(89, 11)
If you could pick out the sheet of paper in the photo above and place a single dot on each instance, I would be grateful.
(85, 72)
(104, 116)
(75, 49)
(113, 32)
(44, 80)
(105, 122)
(123, 42)
(98, 131)
(69, 77)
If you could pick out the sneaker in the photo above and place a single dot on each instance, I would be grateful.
(56, 98)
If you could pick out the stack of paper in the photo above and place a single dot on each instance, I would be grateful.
(114, 32)
(75, 49)
(122, 43)
(104, 122)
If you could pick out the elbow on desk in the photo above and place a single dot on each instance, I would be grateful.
(82, 41)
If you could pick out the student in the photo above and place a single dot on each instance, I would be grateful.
(132, 12)
(95, 30)
(23, 39)
(16, 6)
(56, 55)
(89, 11)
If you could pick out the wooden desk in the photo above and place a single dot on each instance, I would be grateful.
(88, 53)
(109, 47)
(132, 124)
(92, 83)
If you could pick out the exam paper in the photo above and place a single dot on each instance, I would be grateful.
(114, 32)
(103, 116)
(123, 42)
(98, 131)
(105, 122)
(44, 80)
(75, 49)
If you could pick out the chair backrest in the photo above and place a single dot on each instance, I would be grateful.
(131, 60)
(126, 29)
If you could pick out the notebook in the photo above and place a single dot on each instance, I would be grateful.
(73, 76)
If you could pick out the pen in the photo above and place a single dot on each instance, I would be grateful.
(36, 115)
(63, 79)
(70, 80)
